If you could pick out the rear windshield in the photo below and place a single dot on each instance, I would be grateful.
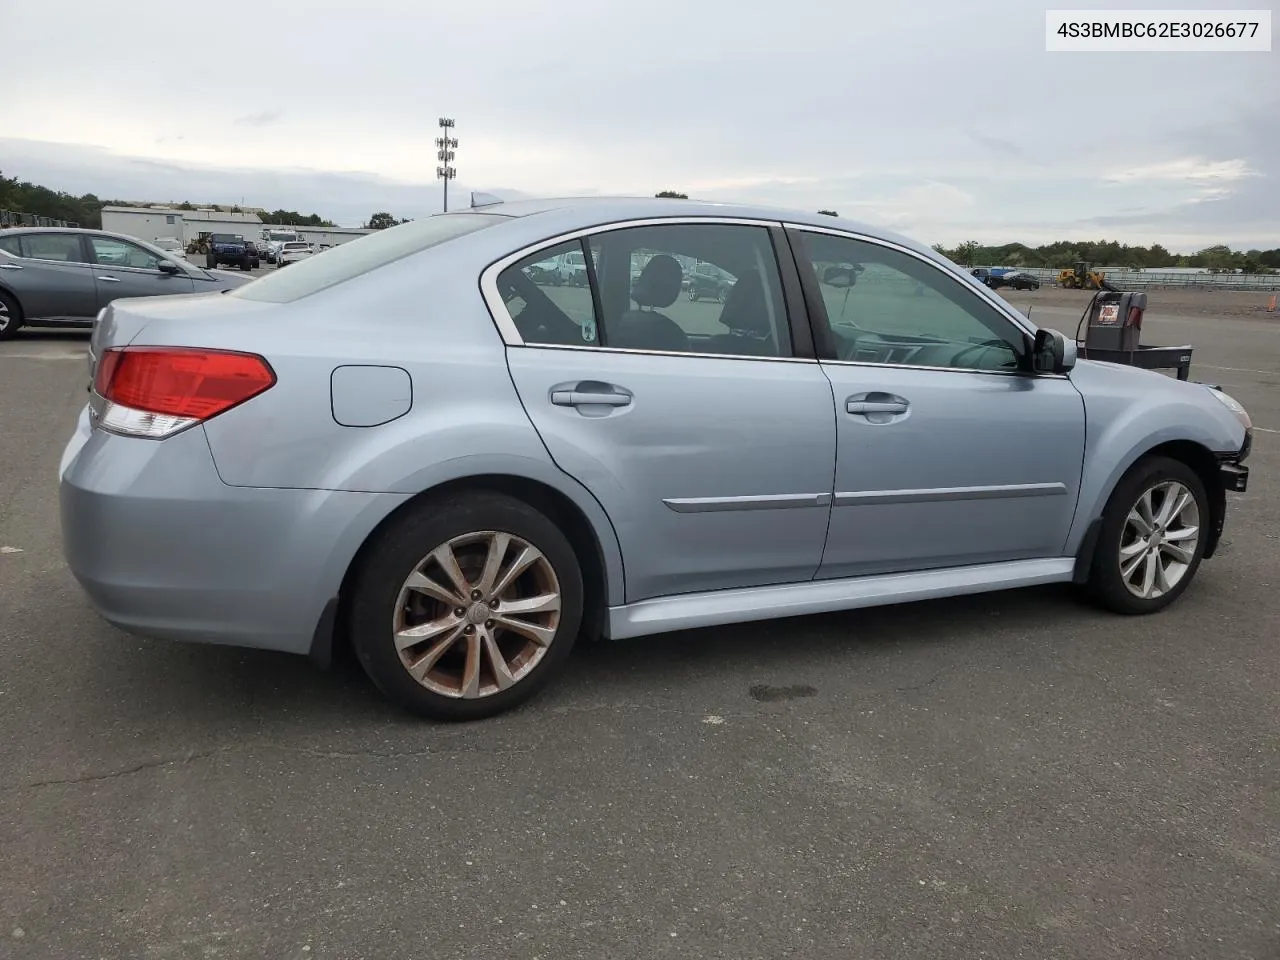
(357, 257)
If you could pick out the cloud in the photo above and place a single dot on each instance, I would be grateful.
(881, 104)
(263, 118)
(995, 144)
(1187, 170)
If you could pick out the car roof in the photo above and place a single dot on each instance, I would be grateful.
(585, 212)
(88, 231)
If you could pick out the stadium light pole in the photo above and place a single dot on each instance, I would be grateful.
(445, 145)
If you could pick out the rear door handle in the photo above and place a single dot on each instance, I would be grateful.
(580, 398)
(10, 266)
(110, 279)
(862, 407)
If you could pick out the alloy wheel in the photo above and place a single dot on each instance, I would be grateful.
(477, 614)
(1159, 540)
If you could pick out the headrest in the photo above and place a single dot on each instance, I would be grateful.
(745, 309)
(648, 330)
(659, 283)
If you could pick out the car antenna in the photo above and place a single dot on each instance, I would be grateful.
(483, 199)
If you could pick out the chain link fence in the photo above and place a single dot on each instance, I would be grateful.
(12, 218)
(1127, 279)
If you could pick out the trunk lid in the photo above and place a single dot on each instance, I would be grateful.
(120, 323)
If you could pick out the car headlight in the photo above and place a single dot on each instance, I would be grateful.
(1234, 405)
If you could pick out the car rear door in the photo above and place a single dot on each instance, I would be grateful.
(52, 278)
(713, 458)
(948, 452)
(122, 269)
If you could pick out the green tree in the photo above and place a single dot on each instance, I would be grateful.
(828, 213)
(672, 195)
(967, 253)
(185, 205)
(293, 218)
(380, 221)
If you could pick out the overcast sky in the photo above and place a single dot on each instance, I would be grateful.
(945, 120)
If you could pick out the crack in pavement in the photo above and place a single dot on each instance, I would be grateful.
(193, 756)
(124, 771)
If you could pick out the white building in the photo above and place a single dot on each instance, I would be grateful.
(150, 223)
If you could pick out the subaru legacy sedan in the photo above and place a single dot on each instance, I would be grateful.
(419, 445)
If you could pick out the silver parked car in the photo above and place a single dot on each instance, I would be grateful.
(418, 444)
(52, 276)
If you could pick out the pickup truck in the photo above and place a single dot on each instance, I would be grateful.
(232, 249)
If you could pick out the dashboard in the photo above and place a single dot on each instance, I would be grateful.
(857, 345)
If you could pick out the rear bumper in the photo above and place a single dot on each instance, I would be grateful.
(163, 548)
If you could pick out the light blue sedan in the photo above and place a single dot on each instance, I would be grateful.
(419, 444)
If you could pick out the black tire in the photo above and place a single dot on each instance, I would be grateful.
(10, 316)
(1106, 583)
(397, 552)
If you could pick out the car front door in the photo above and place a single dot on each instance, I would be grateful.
(122, 269)
(949, 452)
(704, 431)
(52, 278)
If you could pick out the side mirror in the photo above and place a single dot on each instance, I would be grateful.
(169, 267)
(1053, 352)
(841, 276)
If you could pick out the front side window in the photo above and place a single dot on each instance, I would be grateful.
(119, 253)
(52, 246)
(888, 307)
(683, 288)
(11, 244)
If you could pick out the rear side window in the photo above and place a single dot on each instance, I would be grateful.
(357, 257)
(53, 246)
(11, 245)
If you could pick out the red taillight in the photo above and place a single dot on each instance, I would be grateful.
(185, 382)
(1135, 317)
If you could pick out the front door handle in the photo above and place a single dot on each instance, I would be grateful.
(863, 407)
(10, 266)
(581, 398)
(110, 279)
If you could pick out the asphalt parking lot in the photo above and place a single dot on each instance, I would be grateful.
(1006, 776)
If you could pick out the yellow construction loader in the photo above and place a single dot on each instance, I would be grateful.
(1083, 277)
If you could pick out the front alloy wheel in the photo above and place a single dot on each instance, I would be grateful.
(1158, 544)
(1152, 537)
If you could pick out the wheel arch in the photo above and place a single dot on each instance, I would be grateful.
(1195, 455)
(13, 295)
(332, 635)
(1205, 464)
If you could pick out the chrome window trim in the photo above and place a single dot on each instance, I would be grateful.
(1000, 306)
(926, 367)
(507, 327)
(661, 353)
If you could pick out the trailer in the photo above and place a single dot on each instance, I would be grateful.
(1114, 335)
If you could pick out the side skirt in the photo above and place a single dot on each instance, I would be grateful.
(718, 607)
